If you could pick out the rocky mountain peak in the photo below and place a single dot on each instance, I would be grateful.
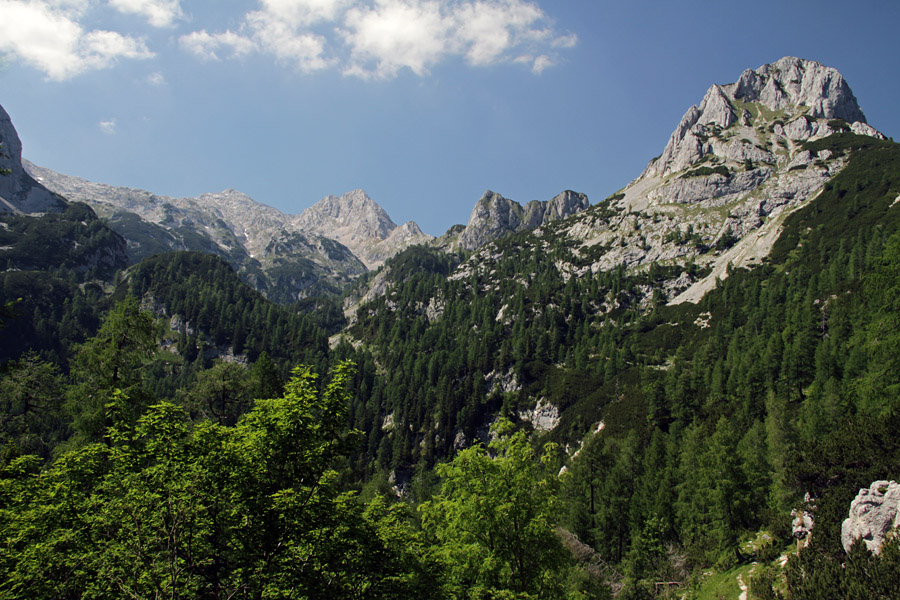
(565, 204)
(354, 213)
(794, 82)
(494, 216)
(361, 224)
(781, 94)
(19, 192)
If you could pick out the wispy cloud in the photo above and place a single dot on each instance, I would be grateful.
(159, 13)
(108, 126)
(207, 46)
(156, 79)
(49, 36)
(377, 40)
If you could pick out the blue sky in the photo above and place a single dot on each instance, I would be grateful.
(425, 104)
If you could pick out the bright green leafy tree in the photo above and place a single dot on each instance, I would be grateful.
(492, 524)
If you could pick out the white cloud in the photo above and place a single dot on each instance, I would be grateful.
(108, 127)
(540, 63)
(296, 13)
(206, 45)
(47, 36)
(488, 29)
(395, 34)
(566, 41)
(280, 28)
(156, 79)
(378, 38)
(159, 13)
(287, 42)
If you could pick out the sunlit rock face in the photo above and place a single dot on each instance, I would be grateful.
(494, 216)
(873, 514)
(778, 92)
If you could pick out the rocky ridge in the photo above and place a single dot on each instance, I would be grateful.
(731, 172)
(274, 257)
(494, 217)
(19, 192)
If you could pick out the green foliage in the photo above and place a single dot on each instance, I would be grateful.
(716, 418)
(74, 239)
(166, 509)
(707, 171)
(493, 521)
(47, 313)
(859, 575)
(31, 416)
(217, 309)
(111, 361)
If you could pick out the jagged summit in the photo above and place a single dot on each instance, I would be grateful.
(732, 171)
(354, 213)
(794, 82)
(495, 216)
(361, 224)
(19, 192)
(803, 97)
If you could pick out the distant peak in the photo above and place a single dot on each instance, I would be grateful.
(495, 216)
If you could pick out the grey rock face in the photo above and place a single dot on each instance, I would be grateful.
(717, 197)
(19, 192)
(792, 82)
(495, 216)
(543, 417)
(353, 214)
(873, 514)
(356, 221)
(791, 89)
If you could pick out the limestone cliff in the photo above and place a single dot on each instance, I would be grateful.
(874, 514)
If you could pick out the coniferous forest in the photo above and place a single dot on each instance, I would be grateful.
(166, 431)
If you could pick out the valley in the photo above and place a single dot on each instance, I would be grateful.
(207, 397)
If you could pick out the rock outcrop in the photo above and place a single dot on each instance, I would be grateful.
(495, 217)
(19, 192)
(874, 513)
(543, 417)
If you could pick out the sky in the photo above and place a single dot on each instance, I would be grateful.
(425, 104)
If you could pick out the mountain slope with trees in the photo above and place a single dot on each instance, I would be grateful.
(547, 416)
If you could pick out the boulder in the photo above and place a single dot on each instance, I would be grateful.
(873, 514)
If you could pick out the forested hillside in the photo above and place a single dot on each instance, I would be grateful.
(151, 446)
(675, 392)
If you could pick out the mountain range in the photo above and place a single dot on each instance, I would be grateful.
(704, 354)
(287, 257)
